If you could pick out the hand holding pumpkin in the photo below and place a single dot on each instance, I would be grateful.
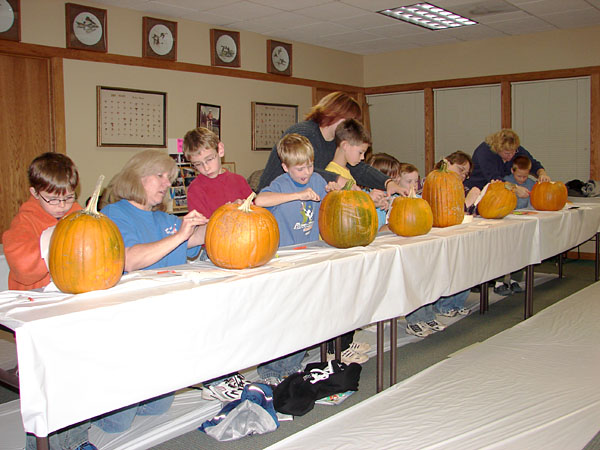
(308, 194)
(380, 198)
(394, 188)
(542, 176)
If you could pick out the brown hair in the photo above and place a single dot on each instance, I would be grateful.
(333, 107)
(505, 139)
(458, 157)
(352, 131)
(522, 162)
(127, 184)
(54, 173)
(385, 163)
(199, 139)
(294, 150)
(407, 168)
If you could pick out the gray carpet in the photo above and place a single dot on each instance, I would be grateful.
(413, 357)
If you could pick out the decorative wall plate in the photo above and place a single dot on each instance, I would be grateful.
(159, 39)
(279, 57)
(225, 48)
(10, 20)
(86, 27)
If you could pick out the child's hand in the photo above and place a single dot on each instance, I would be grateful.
(332, 186)
(521, 191)
(308, 194)
(472, 196)
(380, 198)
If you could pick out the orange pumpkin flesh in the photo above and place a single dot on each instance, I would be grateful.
(444, 192)
(240, 237)
(410, 216)
(86, 252)
(347, 218)
(499, 200)
(548, 196)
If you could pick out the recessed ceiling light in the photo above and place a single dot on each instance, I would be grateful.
(428, 16)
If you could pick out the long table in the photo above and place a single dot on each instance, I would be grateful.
(158, 331)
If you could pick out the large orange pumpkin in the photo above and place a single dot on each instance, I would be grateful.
(347, 218)
(444, 192)
(410, 216)
(499, 200)
(548, 196)
(241, 236)
(86, 250)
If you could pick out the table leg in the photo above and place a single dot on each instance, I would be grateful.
(528, 291)
(393, 350)
(561, 258)
(324, 351)
(597, 258)
(380, 331)
(42, 443)
(484, 302)
(338, 348)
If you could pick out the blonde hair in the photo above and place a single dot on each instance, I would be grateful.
(199, 139)
(505, 139)
(385, 163)
(294, 150)
(127, 184)
(333, 107)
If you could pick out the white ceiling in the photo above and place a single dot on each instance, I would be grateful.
(354, 26)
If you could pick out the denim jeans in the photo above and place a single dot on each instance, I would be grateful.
(456, 301)
(66, 439)
(121, 420)
(422, 314)
(282, 367)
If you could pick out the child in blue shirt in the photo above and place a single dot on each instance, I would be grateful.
(520, 177)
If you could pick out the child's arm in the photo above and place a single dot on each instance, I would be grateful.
(277, 198)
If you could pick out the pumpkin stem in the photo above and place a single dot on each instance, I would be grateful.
(444, 163)
(245, 207)
(92, 207)
(412, 192)
(348, 185)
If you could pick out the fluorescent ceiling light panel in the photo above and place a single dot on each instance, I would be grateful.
(428, 16)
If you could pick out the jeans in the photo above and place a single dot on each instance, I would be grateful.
(121, 420)
(282, 367)
(422, 314)
(456, 301)
(66, 439)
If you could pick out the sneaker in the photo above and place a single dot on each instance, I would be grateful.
(86, 446)
(227, 390)
(435, 325)
(417, 330)
(360, 347)
(464, 311)
(350, 356)
(503, 289)
(271, 381)
(449, 313)
(516, 287)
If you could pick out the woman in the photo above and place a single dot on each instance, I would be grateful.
(319, 127)
(461, 164)
(492, 160)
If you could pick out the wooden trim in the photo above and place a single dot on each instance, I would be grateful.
(506, 104)
(581, 255)
(57, 99)
(595, 126)
(429, 130)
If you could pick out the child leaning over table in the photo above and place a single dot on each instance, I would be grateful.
(294, 199)
(390, 166)
(53, 179)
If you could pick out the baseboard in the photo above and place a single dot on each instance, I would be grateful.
(581, 255)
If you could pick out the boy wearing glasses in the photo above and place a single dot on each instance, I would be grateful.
(214, 186)
(53, 179)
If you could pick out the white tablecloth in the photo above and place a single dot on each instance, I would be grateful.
(80, 356)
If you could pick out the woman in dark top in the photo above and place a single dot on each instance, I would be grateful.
(319, 127)
(493, 159)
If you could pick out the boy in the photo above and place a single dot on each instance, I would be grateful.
(352, 141)
(520, 177)
(53, 178)
(214, 186)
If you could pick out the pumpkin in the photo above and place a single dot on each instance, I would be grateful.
(548, 196)
(498, 201)
(444, 192)
(347, 218)
(241, 236)
(86, 250)
(410, 216)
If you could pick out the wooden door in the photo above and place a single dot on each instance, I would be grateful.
(27, 120)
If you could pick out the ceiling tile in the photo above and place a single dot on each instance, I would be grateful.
(366, 21)
(523, 26)
(287, 5)
(545, 7)
(473, 33)
(331, 10)
(276, 22)
(581, 18)
(244, 10)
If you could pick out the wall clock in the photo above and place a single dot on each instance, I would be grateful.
(279, 57)
(86, 27)
(225, 48)
(159, 39)
(10, 20)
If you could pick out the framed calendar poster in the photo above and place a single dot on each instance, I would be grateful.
(131, 117)
(269, 122)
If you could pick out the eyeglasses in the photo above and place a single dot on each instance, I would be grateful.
(206, 163)
(57, 201)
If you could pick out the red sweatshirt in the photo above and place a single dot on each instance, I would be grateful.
(22, 246)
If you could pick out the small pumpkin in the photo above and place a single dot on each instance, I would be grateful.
(548, 196)
(410, 216)
(86, 250)
(241, 236)
(347, 218)
(444, 192)
(499, 200)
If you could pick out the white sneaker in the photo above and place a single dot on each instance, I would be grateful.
(360, 347)
(450, 313)
(228, 390)
(464, 311)
(350, 356)
(418, 329)
(434, 325)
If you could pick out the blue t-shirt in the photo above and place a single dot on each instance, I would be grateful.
(298, 221)
(521, 202)
(138, 226)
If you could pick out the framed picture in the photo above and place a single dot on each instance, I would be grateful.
(10, 20)
(279, 58)
(131, 117)
(269, 122)
(86, 27)
(209, 116)
(230, 166)
(225, 48)
(159, 39)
